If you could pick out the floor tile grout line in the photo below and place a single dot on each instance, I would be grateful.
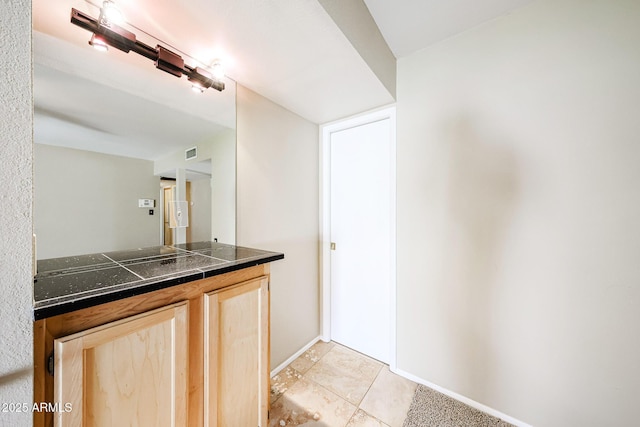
(367, 392)
(371, 385)
(335, 347)
(382, 367)
(328, 391)
(357, 405)
(338, 396)
(369, 415)
(325, 388)
(303, 374)
(360, 354)
(364, 356)
(393, 374)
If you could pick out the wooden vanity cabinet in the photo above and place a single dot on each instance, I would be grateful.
(129, 372)
(236, 358)
(195, 354)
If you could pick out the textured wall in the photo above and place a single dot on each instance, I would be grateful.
(278, 211)
(518, 207)
(16, 359)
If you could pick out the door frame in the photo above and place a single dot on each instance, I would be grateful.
(386, 112)
(161, 209)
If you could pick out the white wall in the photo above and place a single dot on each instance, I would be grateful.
(16, 282)
(221, 150)
(277, 210)
(200, 210)
(87, 202)
(206, 149)
(223, 189)
(519, 213)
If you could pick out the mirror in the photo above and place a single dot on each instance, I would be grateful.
(115, 138)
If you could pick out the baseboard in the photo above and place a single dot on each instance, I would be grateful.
(297, 354)
(463, 399)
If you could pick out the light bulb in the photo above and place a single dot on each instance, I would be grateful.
(110, 14)
(98, 43)
(217, 71)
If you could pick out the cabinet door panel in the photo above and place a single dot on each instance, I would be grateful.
(132, 372)
(236, 355)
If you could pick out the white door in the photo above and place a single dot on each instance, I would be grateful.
(361, 219)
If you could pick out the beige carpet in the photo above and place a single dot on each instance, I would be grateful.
(430, 408)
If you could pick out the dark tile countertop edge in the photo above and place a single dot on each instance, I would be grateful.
(115, 293)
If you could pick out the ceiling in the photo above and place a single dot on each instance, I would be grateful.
(411, 25)
(83, 101)
(289, 51)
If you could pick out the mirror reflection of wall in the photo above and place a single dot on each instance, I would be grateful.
(110, 130)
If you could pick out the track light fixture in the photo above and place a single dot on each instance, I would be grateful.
(201, 80)
(107, 33)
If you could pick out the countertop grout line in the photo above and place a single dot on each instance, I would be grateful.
(72, 297)
(224, 261)
(117, 287)
(207, 256)
(133, 272)
(117, 278)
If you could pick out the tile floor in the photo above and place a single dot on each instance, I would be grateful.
(333, 386)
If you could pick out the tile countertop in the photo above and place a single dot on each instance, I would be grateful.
(72, 283)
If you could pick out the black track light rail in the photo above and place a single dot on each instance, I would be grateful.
(126, 41)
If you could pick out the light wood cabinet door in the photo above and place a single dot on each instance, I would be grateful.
(236, 351)
(132, 372)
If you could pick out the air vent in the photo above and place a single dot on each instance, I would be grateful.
(191, 153)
